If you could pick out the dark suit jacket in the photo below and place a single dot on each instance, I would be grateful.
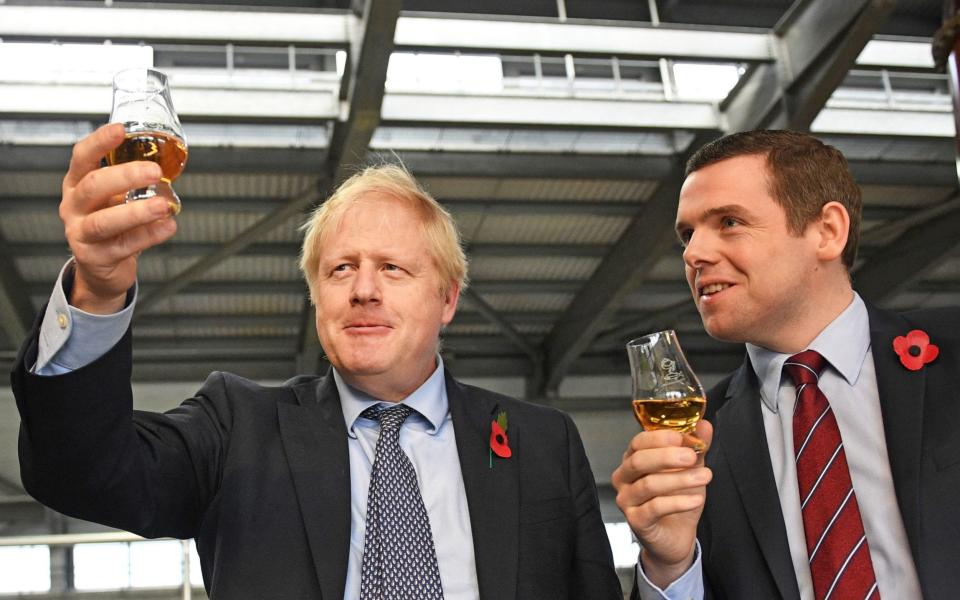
(742, 534)
(260, 477)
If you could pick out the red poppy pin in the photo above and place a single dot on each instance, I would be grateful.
(915, 349)
(499, 444)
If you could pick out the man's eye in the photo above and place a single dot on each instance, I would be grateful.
(341, 267)
(390, 267)
(730, 222)
(684, 237)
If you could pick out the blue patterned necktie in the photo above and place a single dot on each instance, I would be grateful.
(399, 559)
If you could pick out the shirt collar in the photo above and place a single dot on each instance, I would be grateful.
(844, 343)
(429, 400)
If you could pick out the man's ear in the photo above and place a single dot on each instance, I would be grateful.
(450, 299)
(833, 229)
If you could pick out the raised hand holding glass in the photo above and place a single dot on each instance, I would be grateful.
(666, 392)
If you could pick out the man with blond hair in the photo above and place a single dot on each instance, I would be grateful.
(385, 478)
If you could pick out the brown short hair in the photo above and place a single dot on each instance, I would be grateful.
(439, 229)
(804, 174)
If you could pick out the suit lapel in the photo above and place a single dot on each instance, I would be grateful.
(315, 440)
(493, 494)
(901, 402)
(745, 443)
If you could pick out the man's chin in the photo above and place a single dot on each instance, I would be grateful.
(722, 332)
(361, 369)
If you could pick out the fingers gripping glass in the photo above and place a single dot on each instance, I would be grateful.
(141, 101)
(666, 392)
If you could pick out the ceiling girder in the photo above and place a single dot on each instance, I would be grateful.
(816, 43)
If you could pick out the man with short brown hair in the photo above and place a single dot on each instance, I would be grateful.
(833, 467)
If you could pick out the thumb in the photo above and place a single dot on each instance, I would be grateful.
(704, 431)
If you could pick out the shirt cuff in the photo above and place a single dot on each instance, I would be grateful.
(71, 338)
(688, 586)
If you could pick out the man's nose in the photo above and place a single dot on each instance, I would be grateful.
(698, 251)
(366, 286)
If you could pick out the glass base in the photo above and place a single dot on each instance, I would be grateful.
(161, 189)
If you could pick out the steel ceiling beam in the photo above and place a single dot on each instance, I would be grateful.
(364, 93)
(547, 111)
(534, 165)
(455, 205)
(28, 205)
(886, 121)
(488, 312)
(414, 32)
(422, 32)
(911, 256)
(817, 42)
(168, 24)
(427, 165)
(276, 217)
(193, 101)
(16, 310)
(627, 265)
(174, 249)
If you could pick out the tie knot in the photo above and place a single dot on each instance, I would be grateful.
(390, 418)
(805, 368)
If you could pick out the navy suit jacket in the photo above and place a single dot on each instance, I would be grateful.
(744, 541)
(260, 477)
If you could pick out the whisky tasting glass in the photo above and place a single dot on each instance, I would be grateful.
(666, 392)
(141, 101)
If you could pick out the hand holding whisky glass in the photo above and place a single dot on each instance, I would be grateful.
(141, 101)
(666, 392)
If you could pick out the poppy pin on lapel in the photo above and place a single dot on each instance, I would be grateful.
(499, 443)
(915, 349)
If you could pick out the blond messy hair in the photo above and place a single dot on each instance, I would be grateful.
(439, 229)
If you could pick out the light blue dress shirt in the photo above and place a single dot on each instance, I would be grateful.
(427, 438)
(850, 383)
(71, 339)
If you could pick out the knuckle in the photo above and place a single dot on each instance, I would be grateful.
(636, 462)
(76, 153)
(644, 488)
(92, 179)
(80, 253)
(95, 227)
(621, 500)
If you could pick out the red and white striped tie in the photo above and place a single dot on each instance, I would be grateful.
(837, 548)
